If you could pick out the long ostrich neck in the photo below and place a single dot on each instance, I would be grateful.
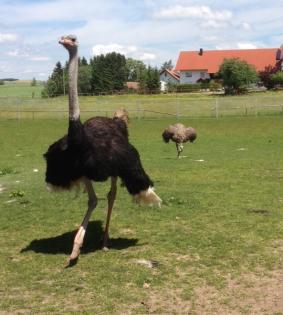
(74, 108)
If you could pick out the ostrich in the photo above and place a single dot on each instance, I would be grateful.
(94, 151)
(123, 114)
(179, 134)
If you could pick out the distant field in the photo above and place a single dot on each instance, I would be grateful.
(142, 106)
(20, 89)
(216, 245)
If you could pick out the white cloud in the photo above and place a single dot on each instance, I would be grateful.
(104, 49)
(128, 51)
(22, 54)
(7, 37)
(39, 58)
(246, 26)
(147, 57)
(199, 12)
(238, 45)
(246, 46)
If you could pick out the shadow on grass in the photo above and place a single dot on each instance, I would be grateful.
(62, 244)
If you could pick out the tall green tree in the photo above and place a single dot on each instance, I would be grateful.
(55, 83)
(237, 75)
(84, 79)
(109, 72)
(152, 80)
(135, 69)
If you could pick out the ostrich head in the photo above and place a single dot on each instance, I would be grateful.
(69, 42)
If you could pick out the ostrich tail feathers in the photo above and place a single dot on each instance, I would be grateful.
(148, 197)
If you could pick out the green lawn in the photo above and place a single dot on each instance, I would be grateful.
(216, 245)
(20, 89)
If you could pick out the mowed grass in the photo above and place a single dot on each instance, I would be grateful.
(221, 221)
(21, 88)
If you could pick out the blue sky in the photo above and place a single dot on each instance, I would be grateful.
(153, 31)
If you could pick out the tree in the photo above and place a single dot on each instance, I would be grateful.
(55, 83)
(152, 80)
(84, 79)
(134, 69)
(277, 78)
(237, 75)
(266, 74)
(108, 72)
(33, 82)
(167, 65)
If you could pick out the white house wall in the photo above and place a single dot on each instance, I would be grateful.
(168, 78)
(196, 75)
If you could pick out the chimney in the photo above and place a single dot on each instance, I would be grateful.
(200, 52)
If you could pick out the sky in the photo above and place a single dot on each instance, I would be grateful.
(153, 31)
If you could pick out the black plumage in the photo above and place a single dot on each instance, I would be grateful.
(97, 149)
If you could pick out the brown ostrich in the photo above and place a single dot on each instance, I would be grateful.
(94, 151)
(179, 134)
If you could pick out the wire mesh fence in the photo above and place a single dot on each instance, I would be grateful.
(144, 107)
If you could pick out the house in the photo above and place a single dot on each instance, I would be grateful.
(200, 65)
(168, 76)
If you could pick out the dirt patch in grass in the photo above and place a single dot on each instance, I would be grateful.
(254, 293)
(249, 294)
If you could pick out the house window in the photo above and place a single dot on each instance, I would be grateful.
(202, 75)
(188, 74)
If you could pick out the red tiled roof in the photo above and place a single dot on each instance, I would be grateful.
(210, 60)
(173, 73)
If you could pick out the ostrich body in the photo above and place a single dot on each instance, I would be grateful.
(179, 134)
(94, 151)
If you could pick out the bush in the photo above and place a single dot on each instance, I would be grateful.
(277, 78)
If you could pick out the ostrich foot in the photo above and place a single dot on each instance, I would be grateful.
(74, 255)
(106, 243)
(78, 242)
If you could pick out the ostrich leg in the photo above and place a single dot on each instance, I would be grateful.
(179, 147)
(111, 198)
(78, 242)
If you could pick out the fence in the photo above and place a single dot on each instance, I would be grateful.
(142, 107)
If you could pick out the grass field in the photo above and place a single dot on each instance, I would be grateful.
(215, 247)
(16, 103)
(20, 88)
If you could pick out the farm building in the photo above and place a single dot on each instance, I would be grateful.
(195, 65)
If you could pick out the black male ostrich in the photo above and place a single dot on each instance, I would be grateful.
(95, 150)
(179, 134)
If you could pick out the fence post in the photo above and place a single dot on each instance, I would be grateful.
(177, 108)
(216, 108)
(18, 108)
(138, 109)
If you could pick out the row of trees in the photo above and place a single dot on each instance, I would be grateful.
(104, 74)
(110, 72)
